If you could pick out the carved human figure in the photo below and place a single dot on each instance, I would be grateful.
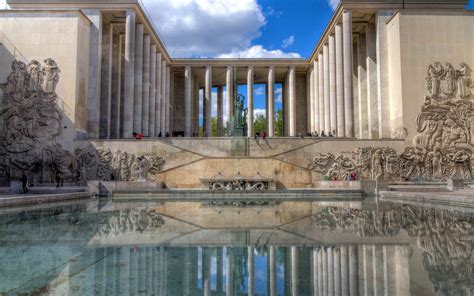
(436, 130)
(433, 79)
(143, 168)
(17, 79)
(462, 164)
(36, 76)
(436, 162)
(51, 77)
(456, 133)
(64, 163)
(377, 164)
(448, 83)
(464, 81)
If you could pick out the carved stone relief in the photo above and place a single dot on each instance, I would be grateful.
(442, 147)
(132, 220)
(33, 124)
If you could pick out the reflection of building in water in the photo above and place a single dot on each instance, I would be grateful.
(395, 250)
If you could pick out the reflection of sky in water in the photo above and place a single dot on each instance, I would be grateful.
(261, 274)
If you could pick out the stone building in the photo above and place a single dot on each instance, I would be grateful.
(378, 63)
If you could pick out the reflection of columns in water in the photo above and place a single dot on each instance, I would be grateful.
(325, 270)
(229, 289)
(330, 270)
(320, 271)
(353, 270)
(294, 271)
(344, 271)
(187, 272)
(206, 271)
(315, 272)
(272, 270)
(220, 269)
(250, 262)
(337, 271)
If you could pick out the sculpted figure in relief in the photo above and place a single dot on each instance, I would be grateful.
(464, 81)
(51, 76)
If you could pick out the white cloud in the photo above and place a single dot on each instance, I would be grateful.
(257, 112)
(258, 51)
(259, 91)
(288, 42)
(333, 3)
(279, 95)
(206, 27)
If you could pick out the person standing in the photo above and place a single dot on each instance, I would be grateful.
(24, 182)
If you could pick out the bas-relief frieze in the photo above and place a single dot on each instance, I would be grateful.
(33, 124)
(442, 235)
(442, 147)
(132, 220)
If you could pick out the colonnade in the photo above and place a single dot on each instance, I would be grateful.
(330, 83)
(190, 96)
(135, 92)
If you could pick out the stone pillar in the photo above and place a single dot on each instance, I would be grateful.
(316, 97)
(327, 99)
(294, 270)
(292, 101)
(93, 91)
(271, 102)
(159, 97)
(187, 100)
(310, 99)
(345, 271)
(332, 84)
(163, 99)
(272, 270)
(321, 91)
(371, 65)
(362, 87)
(330, 270)
(348, 67)
(106, 81)
(341, 126)
(251, 276)
(220, 111)
(250, 75)
(353, 271)
(196, 106)
(151, 111)
(138, 96)
(230, 94)
(325, 270)
(117, 95)
(168, 99)
(208, 101)
(146, 86)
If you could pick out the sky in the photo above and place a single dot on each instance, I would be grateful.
(241, 29)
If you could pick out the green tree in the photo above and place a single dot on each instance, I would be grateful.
(279, 123)
(259, 124)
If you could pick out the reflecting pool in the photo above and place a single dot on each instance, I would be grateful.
(211, 248)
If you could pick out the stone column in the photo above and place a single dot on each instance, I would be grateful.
(316, 96)
(362, 87)
(187, 101)
(271, 102)
(151, 111)
(330, 271)
(250, 262)
(158, 95)
(163, 99)
(372, 98)
(292, 101)
(208, 101)
(321, 92)
(294, 271)
(348, 67)
(129, 82)
(341, 126)
(138, 96)
(327, 99)
(106, 81)
(353, 271)
(332, 83)
(146, 86)
(250, 75)
(325, 270)
(230, 94)
(272, 271)
(168, 99)
(310, 100)
(116, 95)
(220, 111)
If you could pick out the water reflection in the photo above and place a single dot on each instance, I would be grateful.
(290, 248)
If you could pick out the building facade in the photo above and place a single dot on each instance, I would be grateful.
(381, 73)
